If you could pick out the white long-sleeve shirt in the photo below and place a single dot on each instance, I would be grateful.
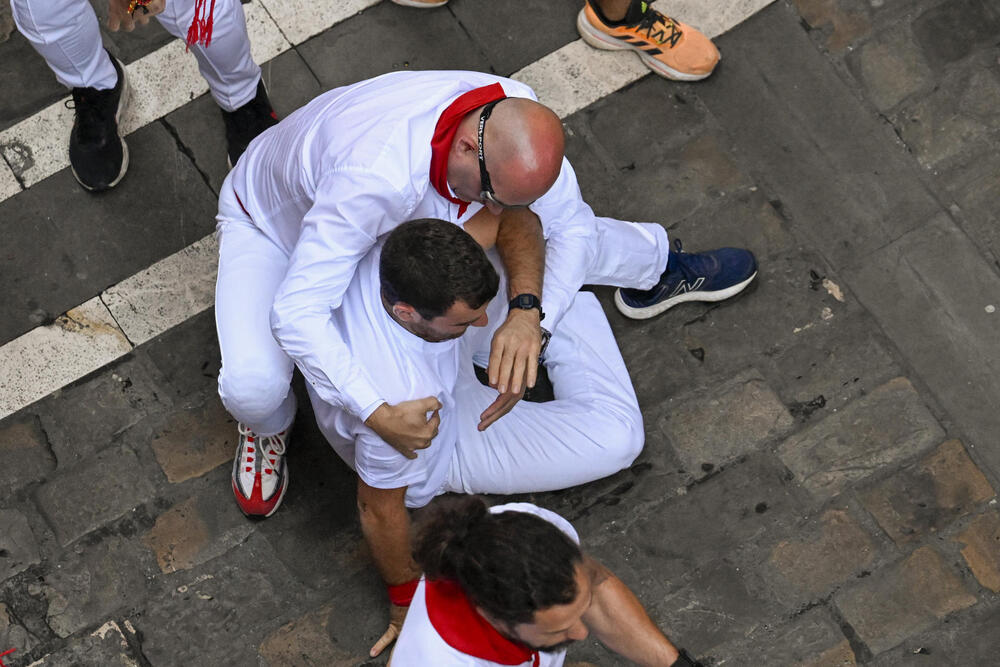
(350, 166)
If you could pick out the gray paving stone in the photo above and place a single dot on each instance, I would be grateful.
(26, 454)
(316, 533)
(193, 442)
(951, 30)
(108, 485)
(407, 40)
(515, 34)
(724, 422)
(780, 323)
(908, 598)
(738, 506)
(974, 186)
(13, 635)
(36, 85)
(110, 645)
(825, 552)
(199, 528)
(968, 638)
(981, 550)
(91, 241)
(825, 367)
(926, 497)
(18, 548)
(929, 292)
(840, 23)
(891, 68)
(716, 607)
(84, 418)
(683, 170)
(84, 588)
(812, 639)
(877, 431)
(306, 640)
(236, 601)
(188, 358)
(200, 128)
(958, 119)
(809, 140)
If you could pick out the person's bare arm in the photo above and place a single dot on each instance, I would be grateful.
(619, 621)
(385, 523)
(516, 344)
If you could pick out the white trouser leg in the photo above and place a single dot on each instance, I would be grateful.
(66, 34)
(591, 430)
(226, 64)
(255, 379)
(628, 254)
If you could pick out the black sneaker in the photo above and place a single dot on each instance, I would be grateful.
(247, 122)
(98, 154)
(707, 276)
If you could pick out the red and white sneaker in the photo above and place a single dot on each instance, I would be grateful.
(260, 477)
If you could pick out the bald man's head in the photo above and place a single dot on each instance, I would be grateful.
(523, 146)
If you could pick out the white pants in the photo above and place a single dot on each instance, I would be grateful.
(592, 429)
(66, 34)
(256, 373)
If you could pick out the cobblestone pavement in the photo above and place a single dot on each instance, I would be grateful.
(819, 480)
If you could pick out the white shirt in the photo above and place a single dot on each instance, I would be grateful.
(420, 645)
(402, 366)
(348, 167)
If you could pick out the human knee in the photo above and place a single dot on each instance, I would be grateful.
(626, 437)
(250, 395)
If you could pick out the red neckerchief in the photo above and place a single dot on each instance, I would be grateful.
(444, 134)
(461, 627)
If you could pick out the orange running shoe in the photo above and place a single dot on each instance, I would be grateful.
(667, 46)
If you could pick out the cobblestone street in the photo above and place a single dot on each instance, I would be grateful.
(818, 485)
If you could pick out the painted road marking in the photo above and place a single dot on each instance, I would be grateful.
(181, 286)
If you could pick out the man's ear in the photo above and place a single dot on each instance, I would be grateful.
(404, 312)
(466, 144)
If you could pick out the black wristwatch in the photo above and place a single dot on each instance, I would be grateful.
(527, 302)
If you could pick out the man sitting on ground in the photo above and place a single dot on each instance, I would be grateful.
(403, 317)
(509, 585)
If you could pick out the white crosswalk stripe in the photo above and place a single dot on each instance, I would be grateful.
(180, 286)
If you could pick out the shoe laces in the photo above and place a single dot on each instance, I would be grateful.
(649, 21)
(92, 112)
(275, 444)
(691, 265)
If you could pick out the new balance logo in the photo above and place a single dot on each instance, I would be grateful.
(684, 287)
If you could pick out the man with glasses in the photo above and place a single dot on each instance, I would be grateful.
(310, 197)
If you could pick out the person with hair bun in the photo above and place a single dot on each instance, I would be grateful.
(509, 585)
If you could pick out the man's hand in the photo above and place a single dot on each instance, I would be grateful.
(397, 615)
(405, 425)
(498, 408)
(119, 16)
(514, 352)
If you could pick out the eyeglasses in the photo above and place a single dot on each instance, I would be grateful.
(486, 194)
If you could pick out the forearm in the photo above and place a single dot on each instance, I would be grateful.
(620, 622)
(522, 249)
(385, 524)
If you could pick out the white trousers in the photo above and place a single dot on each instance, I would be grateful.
(255, 375)
(592, 429)
(67, 35)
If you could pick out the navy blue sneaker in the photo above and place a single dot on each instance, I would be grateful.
(706, 276)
